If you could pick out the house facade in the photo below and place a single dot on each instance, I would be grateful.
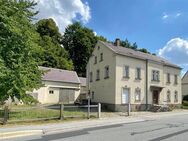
(118, 76)
(59, 86)
(185, 84)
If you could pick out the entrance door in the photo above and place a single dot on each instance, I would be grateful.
(125, 96)
(155, 97)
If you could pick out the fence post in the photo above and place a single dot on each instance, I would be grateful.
(61, 112)
(88, 109)
(99, 110)
(129, 108)
(6, 112)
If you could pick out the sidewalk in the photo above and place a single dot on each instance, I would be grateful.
(115, 118)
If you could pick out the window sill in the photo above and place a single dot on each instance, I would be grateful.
(138, 79)
(155, 81)
(168, 83)
(137, 101)
(126, 77)
(106, 77)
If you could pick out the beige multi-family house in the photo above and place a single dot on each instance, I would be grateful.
(185, 84)
(60, 86)
(118, 76)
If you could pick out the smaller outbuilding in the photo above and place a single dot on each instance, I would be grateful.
(60, 86)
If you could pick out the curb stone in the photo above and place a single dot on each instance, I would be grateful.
(7, 135)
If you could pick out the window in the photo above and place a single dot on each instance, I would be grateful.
(125, 96)
(126, 72)
(137, 94)
(98, 47)
(168, 77)
(91, 77)
(176, 96)
(101, 57)
(106, 72)
(51, 92)
(98, 75)
(92, 95)
(168, 96)
(175, 79)
(155, 75)
(95, 60)
(138, 73)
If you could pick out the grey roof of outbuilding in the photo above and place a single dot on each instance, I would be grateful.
(82, 81)
(137, 54)
(59, 75)
(185, 78)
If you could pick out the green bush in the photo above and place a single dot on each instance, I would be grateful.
(185, 103)
(28, 99)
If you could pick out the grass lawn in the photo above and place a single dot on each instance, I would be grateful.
(26, 113)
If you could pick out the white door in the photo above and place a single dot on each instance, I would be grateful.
(125, 96)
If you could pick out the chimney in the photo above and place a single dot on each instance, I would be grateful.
(117, 42)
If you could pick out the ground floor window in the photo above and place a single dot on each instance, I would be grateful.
(137, 94)
(176, 96)
(168, 96)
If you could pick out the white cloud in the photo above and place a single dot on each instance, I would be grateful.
(178, 14)
(176, 50)
(165, 16)
(64, 11)
(171, 16)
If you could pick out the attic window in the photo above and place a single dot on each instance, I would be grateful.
(98, 47)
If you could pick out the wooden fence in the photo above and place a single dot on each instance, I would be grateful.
(48, 112)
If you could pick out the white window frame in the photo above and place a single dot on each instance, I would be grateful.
(126, 71)
(95, 60)
(91, 77)
(101, 57)
(175, 79)
(137, 93)
(138, 73)
(168, 96)
(106, 72)
(176, 96)
(155, 75)
(168, 78)
(51, 92)
(128, 96)
(98, 75)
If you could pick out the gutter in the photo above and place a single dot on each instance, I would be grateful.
(146, 85)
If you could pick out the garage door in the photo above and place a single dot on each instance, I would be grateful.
(66, 96)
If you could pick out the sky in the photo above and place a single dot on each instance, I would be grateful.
(157, 25)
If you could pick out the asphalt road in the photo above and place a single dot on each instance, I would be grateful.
(166, 129)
